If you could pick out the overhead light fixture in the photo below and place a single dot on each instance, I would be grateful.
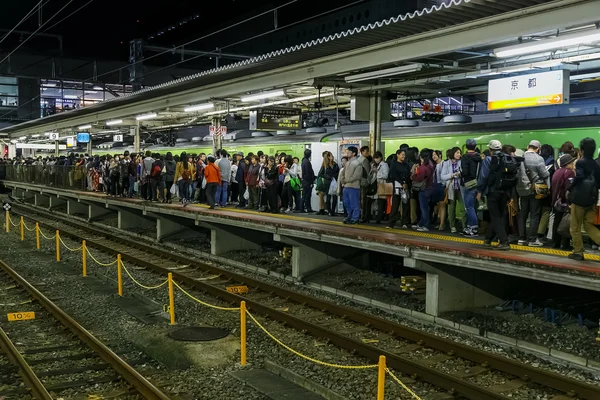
(49, 84)
(548, 44)
(23, 138)
(70, 96)
(199, 107)
(272, 103)
(114, 122)
(91, 91)
(262, 96)
(97, 88)
(88, 126)
(405, 69)
(34, 136)
(146, 116)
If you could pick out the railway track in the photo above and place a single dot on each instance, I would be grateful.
(446, 364)
(50, 354)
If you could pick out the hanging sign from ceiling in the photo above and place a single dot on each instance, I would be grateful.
(532, 90)
(275, 118)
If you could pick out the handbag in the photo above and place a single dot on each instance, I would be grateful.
(560, 207)
(385, 189)
(295, 184)
(333, 188)
(418, 186)
(541, 190)
(445, 195)
(564, 227)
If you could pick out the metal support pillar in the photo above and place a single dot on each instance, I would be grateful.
(56, 148)
(217, 139)
(135, 131)
(375, 122)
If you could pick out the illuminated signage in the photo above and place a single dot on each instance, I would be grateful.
(276, 118)
(532, 90)
(83, 137)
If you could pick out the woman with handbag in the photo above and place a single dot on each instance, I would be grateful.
(560, 184)
(383, 172)
(451, 176)
(329, 172)
(423, 183)
(323, 182)
(439, 196)
(271, 179)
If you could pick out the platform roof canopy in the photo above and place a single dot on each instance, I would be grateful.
(453, 48)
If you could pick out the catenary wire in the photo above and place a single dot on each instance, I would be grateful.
(74, 12)
(29, 14)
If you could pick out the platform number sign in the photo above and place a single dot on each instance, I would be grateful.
(21, 316)
(117, 138)
(7, 207)
(237, 289)
(53, 136)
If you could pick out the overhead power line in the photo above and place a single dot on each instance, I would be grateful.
(29, 14)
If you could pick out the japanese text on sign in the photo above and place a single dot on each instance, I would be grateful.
(273, 118)
(545, 88)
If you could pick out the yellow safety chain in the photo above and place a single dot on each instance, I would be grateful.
(68, 248)
(326, 364)
(10, 220)
(98, 262)
(399, 382)
(139, 284)
(30, 230)
(204, 303)
(46, 237)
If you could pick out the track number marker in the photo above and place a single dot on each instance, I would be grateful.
(21, 316)
(237, 289)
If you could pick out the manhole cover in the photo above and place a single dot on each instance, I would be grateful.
(198, 334)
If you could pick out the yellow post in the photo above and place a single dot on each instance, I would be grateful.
(84, 257)
(119, 275)
(37, 235)
(381, 378)
(7, 221)
(22, 223)
(243, 332)
(57, 246)
(171, 299)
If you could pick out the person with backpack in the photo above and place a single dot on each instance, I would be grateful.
(470, 164)
(115, 175)
(583, 196)
(170, 168)
(498, 177)
(532, 187)
(399, 175)
(157, 179)
(212, 174)
(184, 174)
(423, 184)
(145, 176)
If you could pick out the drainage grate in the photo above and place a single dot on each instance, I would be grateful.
(198, 334)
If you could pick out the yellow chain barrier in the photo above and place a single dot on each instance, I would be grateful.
(399, 382)
(204, 303)
(68, 248)
(288, 348)
(139, 284)
(30, 230)
(10, 220)
(98, 262)
(46, 237)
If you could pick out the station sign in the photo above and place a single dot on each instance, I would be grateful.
(83, 137)
(117, 138)
(532, 90)
(71, 142)
(276, 118)
(217, 130)
(53, 135)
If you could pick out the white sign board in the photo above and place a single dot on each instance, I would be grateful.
(217, 130)
(53, 135)
(117, 138)
(40, 146)
(71, 142)
(532, 90)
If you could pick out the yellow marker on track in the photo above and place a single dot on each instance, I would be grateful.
(237, 289)
(21, 316)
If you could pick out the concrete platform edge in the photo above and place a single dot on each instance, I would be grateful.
(302, 381)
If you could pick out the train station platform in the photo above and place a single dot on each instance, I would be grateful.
(460, 271)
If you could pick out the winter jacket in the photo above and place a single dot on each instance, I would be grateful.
(583, 169)
(132, 168)
(147, 166)
(225, 168)
(470, 162)
(534, 163)
(560, 184)
(383, 172)
(159, 164)
(212, 174)
(308, 174)
(353, 174)
(179, 171)
(364, 161)
(425, 174)
(171, 166)
(241, 171)
(399, 172)
(252, 176)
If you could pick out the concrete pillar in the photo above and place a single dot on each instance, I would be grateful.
(222, 241)
(375, 121)
(26, 195)
(95, 211)
(166, 228)
(57, 203)
(75, 207)
(451, 288)
(41, 200)
(306, 259)
(129, 220)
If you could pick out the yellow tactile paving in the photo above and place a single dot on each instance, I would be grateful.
(426, 235)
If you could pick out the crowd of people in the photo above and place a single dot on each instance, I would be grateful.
(497, 192)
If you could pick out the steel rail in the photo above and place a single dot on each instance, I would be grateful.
(545, 378)
(141, 384)
(29, 377)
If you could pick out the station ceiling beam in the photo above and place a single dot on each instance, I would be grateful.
(482, 32)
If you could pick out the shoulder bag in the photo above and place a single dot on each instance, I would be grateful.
(540, 190)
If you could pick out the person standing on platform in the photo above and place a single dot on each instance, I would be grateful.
(400, 178)
(559, 199)
(252, 182)
(532, 171)
(225, 168)
(240, 177)
(308, 180)
(423, 180)
(470, 165)
(170, 167)
(583, 196)
(212, 174)
(365, 161)
(498, 177)
(145, 176)
(351, 180)
(271, 179)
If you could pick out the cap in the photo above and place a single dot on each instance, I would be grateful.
(519, 153)
(535, 143)
(495, 145)
(471, 142)
(566, 160)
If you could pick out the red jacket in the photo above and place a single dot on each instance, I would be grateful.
(212, 173)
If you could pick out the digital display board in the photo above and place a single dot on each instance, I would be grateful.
(83, 137)
(276, 118)
(532, 90)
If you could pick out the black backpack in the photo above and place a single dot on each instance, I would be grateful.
(585, 193)
(504, 172)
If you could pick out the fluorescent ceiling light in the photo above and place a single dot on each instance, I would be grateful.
(199, 107)
(405, 69)
(580, 77)
(109, 131)
(146, 116)
(88, 126)
(261, 96)
(548, 44)
(70, 96)
(97, 88)
(114, 122)
(91, 91)
(273, 103)
(49, 84)
(23, 138)
(35, 136)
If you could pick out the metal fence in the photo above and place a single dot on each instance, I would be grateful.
(59, 176)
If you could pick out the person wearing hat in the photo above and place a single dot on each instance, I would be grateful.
(532, 171)
(497, 197)
(469, 168)
(560, 184)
